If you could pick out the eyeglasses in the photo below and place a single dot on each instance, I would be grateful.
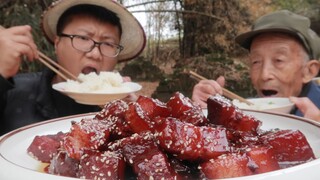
(86, 44)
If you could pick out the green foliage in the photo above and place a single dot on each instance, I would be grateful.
(27, 12)
(142, 70)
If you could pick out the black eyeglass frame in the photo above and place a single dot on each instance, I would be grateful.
(95, 44)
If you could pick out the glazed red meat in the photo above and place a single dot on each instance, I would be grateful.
(148, 162)
(187, 170)
(113, 113)
(226, 166)
(44, 147)
(194, 116)
(113, 109)
(153, 107)
(181, 107)
(102, 165)
(149, 139)
(178, 104)
(262, 159)
(190, 142)
(88, 134)
(289, 146)
(138, 119)
(62, 165)
(221, 111)
(242, 139)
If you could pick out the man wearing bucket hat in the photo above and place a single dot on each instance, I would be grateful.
(284, 58)
(88, 36)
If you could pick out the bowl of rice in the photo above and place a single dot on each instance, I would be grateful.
(271, 104)
(97, 89)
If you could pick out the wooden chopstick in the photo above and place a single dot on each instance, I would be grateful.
(226, 92)
(54, 66)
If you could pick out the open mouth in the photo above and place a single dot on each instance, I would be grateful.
(88, 70)
(269, 92)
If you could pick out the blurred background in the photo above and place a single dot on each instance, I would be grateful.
(182, 35)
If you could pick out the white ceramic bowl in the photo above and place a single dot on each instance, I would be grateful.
(96, 98)
(271, 104)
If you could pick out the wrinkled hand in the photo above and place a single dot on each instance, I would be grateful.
(206, 88)
(306, 106)
(14, 43)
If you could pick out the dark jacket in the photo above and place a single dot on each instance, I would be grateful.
(312, 91)
(29, 98)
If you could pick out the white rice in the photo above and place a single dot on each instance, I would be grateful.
(255, 106)
(105, 82)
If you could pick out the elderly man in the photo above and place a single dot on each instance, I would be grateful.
(283, 59)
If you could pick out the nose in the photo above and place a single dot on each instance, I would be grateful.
(266, 72)
(95, 52)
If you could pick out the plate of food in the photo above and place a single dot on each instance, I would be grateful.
(272, 104)
(97, 89)
(17, 163)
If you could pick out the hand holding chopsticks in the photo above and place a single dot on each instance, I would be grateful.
(226, 92)
(62, 72)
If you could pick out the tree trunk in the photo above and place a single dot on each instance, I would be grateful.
(214, 30)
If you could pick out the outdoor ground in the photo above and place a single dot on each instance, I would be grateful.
(147, 88)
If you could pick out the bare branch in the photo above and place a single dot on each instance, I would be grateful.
(149, 2)
(179, 11)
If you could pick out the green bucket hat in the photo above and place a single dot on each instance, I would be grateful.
(286, 22)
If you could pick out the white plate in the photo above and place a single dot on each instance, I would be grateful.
(16, 164)
(271, 104)
(97, 98)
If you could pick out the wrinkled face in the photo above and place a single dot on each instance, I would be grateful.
(85, 62)
(277, 65)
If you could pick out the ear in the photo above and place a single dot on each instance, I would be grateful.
(56, 41)
(311, 70)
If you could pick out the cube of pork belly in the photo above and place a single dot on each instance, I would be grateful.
(226, 166)
(153, 107)
(148, 162)
(114, 108)
(189, 142)
(88, 134)
(181, 107)
(289, 145)
(242, 139)
(62, 165)
(138, 119)
(187, 170)
(178, 104)
(262, 159)
(221, 111)
(44, 147)
(113, 113)
(102, 165)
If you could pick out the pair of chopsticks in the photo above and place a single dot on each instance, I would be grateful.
(54, 66)
(61, 71)
(226, 92)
